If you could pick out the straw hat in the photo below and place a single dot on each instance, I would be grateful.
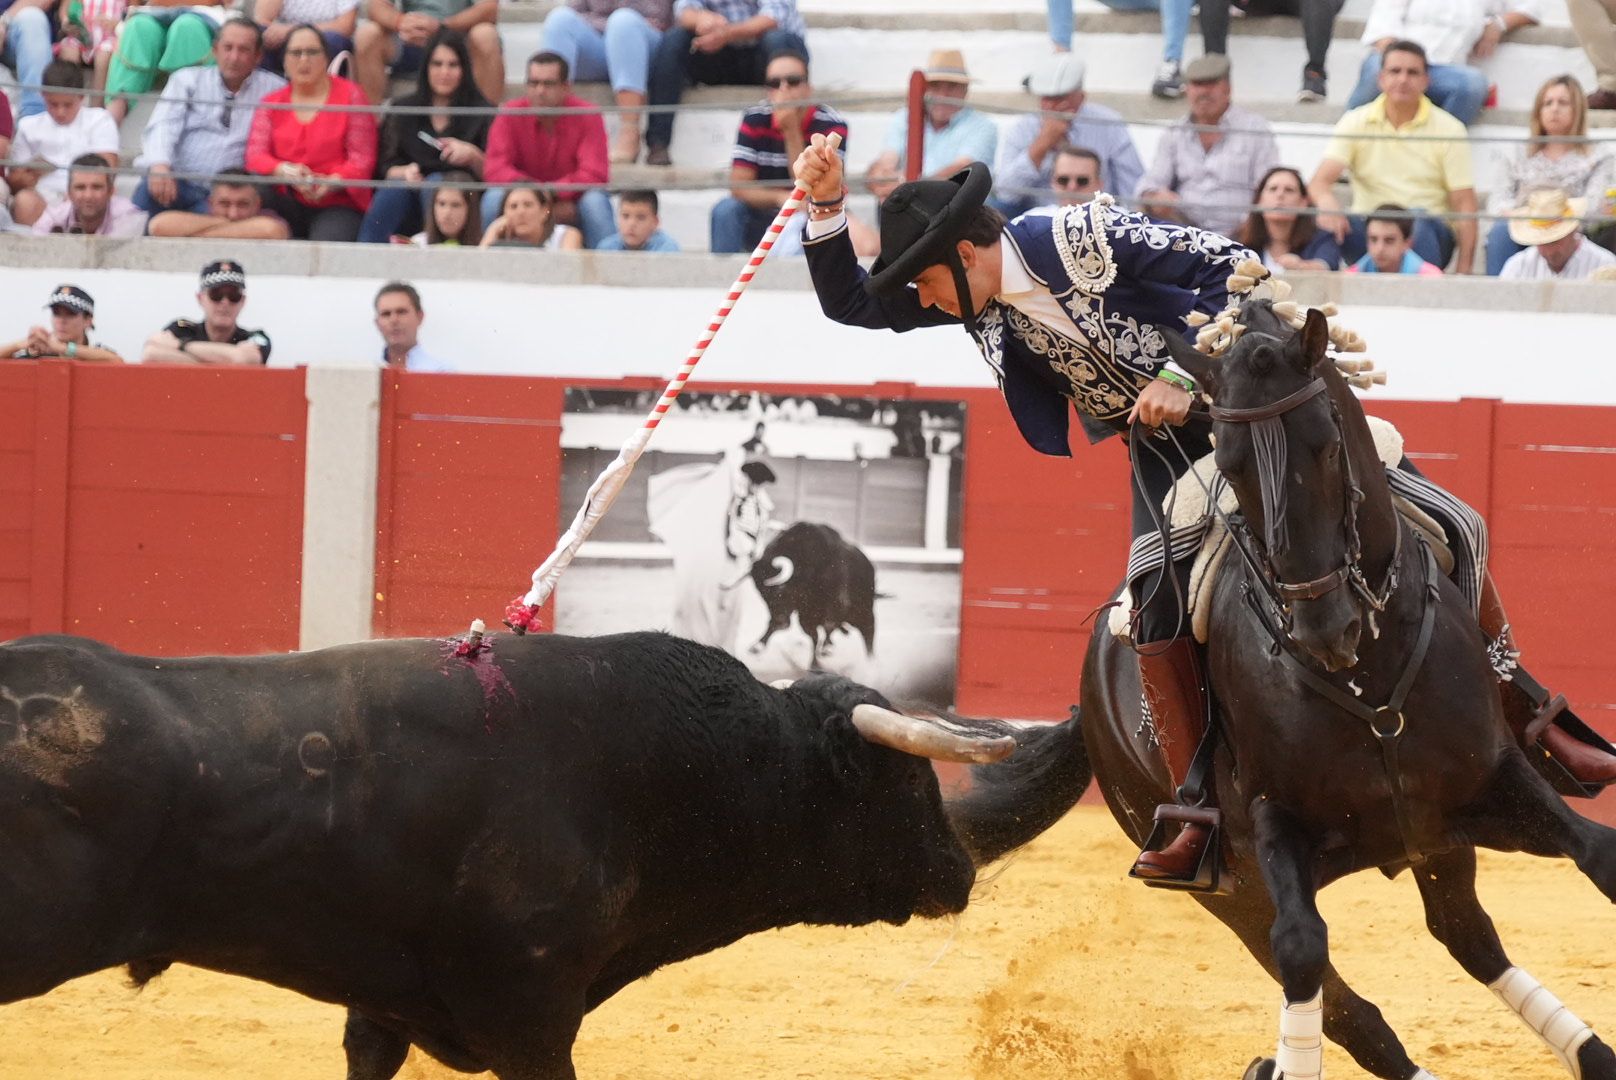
(946, 65)
(1547, 216)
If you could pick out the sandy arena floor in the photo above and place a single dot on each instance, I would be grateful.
(1061, 970)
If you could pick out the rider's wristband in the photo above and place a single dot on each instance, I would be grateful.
(1183, 382)
(828, 203)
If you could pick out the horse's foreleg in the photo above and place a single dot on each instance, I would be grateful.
(1351, 1022)
(1299, 939)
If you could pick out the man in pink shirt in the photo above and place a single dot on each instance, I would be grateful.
(91, 208)
(560, 150)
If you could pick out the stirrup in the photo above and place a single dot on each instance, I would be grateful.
(1553, 709)
(1209, 877)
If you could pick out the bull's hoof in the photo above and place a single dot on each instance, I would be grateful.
(1596, 1060)
(1261, 1069)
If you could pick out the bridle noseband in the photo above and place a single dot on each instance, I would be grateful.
(1284, 593)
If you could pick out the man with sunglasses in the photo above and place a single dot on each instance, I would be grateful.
(199, 127)
(770, 138)
(218, 338)
(1076, 177)
(72, 315)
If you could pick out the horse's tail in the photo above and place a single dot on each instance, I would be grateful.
(1011, 802)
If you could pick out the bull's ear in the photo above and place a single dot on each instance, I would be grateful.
(1312, 343)
(1203, 367)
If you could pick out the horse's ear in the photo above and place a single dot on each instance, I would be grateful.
(1313, 340)
(1188, 357)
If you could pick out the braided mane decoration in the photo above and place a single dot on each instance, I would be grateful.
(1218, 335)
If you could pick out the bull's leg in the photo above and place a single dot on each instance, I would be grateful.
(1455, 917)
(1299, 938)
(1351, 1022)
(374, 1052)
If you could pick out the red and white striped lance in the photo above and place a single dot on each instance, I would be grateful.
(521, 614)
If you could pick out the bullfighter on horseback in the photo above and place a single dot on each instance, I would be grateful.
(1066, 306)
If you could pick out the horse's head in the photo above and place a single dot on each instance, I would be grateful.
(1281, 447)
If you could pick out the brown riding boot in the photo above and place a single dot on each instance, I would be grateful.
(1175, 691)
(1533, 713)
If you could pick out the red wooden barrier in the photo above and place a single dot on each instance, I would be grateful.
(158, 509)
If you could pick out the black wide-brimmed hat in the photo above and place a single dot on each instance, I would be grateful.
(758, 473)
(921, 221)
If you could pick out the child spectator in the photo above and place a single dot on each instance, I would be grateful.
(639, 228)
(313, 151)
(91, 209)
(454, 219)
(1285, 239)
(235, 211)
(219, 338)
(1389, 233)
(72, 315)
(51, 141)
(527, 219)
(1554, 159)
(420, 147)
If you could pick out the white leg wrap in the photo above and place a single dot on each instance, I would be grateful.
(1422, 1075)
(1301, 1039)
(1555, 1024)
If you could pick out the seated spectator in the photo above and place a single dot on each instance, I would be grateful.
(1550, 235)
(91, 208)
(568, 148)
(399, 318)
(235, 211)
(335, 19)
(611, 40)
(396, 37)
(417, 147)
(1076, 175)
(639, 228)
(50, 141)
(1554, 159)
(88, 36)
(199, 127)
(527, 219)
(716, 42)
(1389, 231)
(72, 315)
(1027, 150)
(1285, 239)
(159, 40)
(25, 47)
(219, 338)
(1204, 178)
(770, 138)
(1318, 27)
(454, 220)
(312, 151)
(1595, 24)
(1429, 170)
(953, 136)
(1451, 32)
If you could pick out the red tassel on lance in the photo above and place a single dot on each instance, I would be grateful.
(521, 617)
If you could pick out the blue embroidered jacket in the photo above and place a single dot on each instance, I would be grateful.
(1121, 277)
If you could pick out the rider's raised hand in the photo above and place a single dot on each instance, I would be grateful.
(818, 169)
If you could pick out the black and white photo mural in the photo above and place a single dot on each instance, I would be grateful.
(797, 532)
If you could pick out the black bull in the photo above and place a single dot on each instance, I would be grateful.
(468, 854)
(828, 583)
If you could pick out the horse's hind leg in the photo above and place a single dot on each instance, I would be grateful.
(1299, 938)
(1351, 1022)
(1455, 917)
(1521, 812)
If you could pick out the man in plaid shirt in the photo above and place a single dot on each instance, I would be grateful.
(716, 42)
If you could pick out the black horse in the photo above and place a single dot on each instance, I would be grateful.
(1335, 611)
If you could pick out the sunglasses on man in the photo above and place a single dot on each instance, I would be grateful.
(1073, 181)
(785, 80)
(225, 296)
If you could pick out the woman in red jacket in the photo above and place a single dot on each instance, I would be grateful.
(314, 149)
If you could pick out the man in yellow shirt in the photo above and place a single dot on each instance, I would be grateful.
(1415, 155)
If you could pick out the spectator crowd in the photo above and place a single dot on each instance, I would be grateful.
(266, 128)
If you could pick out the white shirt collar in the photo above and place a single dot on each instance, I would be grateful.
(1014, 278)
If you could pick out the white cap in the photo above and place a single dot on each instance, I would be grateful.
(1055, 75)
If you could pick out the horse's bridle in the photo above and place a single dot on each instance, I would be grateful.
(1350, 571)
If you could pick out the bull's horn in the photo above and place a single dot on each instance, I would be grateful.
(781, 574)
(924, 738)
